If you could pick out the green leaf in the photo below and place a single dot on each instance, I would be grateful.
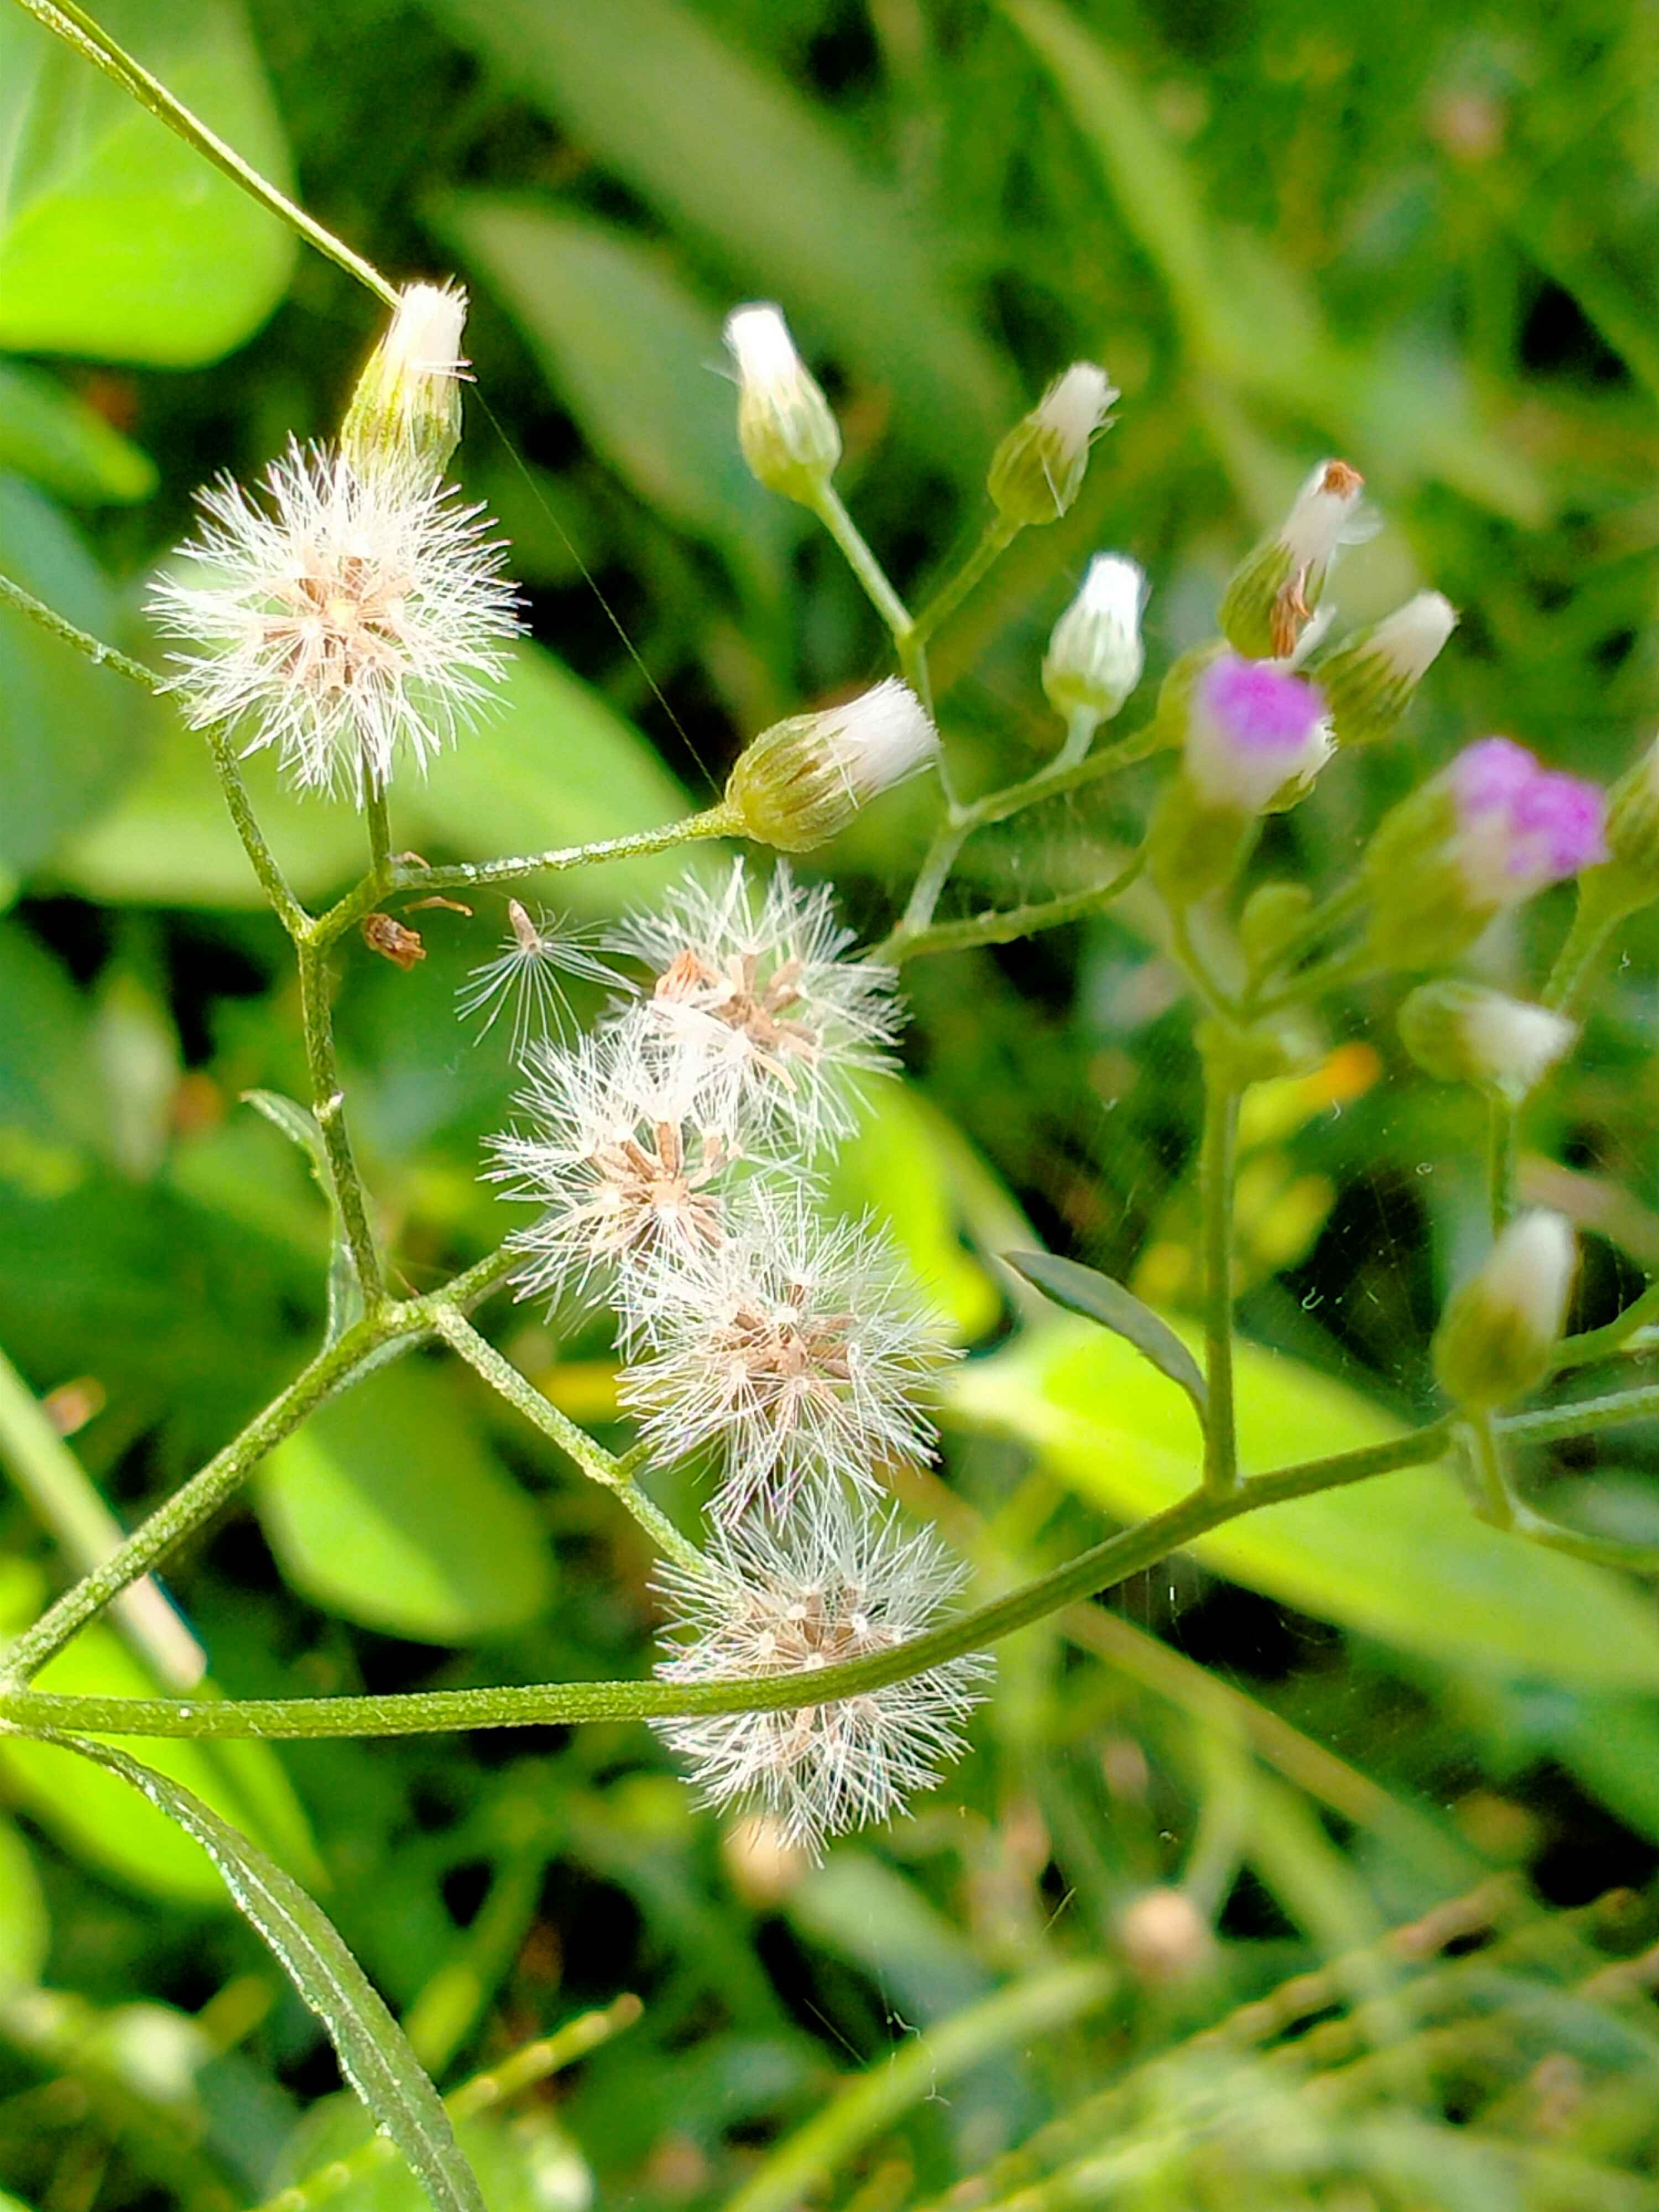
(98, 1820)
(25, 1929)
(68, 729)
(741, 163)
(374, 2054)
(51, 1107)
(1400, 1557)
(54, 439)
(387, 1509)
(117, 240)
(1086, 1290)
(632, 352)
(299, 1125)
(527, 2164)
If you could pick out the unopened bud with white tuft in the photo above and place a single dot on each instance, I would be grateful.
(1273, 593)
(802, 782)
(1464, 1033)
(1495, 1339)
(1036, 472)
(1368, 682)
(1095, 655)
(790, 438)
(406, 411)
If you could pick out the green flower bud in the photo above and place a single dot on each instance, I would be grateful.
(790, 438)
(1273, 593)
(1369, 681)
(1499, 1328)
(1271, 915)
(1631, 877)
(1287, 1043)
(1193, 847)
(800, 783)
(1037, 472)
(406, 411)
(1464, 1033)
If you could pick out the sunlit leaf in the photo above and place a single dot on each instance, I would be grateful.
(25, 1930)
(1086, 1290)
(54, 439)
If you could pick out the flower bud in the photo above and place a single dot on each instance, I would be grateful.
(1037, 472)
(800, 783)
(1095, 659)
(1273, 913)
(789, 437)
(1464, 1033)
(1497, 1332)
(1266, 1050)
(1368, 682)
(1485, 834)
(1255, 734)
(1631, 877)
(406, 410)
(1273, 595)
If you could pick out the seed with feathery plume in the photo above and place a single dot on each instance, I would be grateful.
(538, 948)
(836, 1583)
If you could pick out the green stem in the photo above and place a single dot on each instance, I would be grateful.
(1006, 924)
(1613, 1336)
(379, 833)
(61, 1491)
(854, 550)
(999, 535)
(1196, 968)
(78, 29)
(592, 1458)
(199, 1500)
(274, 884)
(1485, 1450)
(105, 656)
(519, 1705)
(1217, 1164)
(1501, 1149)
(1593, 923)
(798, 2169)
(1602, 1551)
(328, 1107)
(1080, 726)
(1357, 965)
(1584, 1417)
(932, 875)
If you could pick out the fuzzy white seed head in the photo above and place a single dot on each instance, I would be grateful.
(800, 783)
(406, 411)
(623, 1172)
(1494, 1342)
(751, 998)
(1037, 471)
(1094, 656)
(343, 619)
(789, 436)
(837, 1584)
(793, 1346)
(526, 975)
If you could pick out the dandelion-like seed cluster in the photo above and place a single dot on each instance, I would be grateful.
(669, 1156)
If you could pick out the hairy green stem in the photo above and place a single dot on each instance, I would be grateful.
(521, 1705)
(12, 594)
(1501, 1170)
(854, 550)
(379, 831)
(592, 1458)
(999, 535)
(1218, 1167)
(1080, 726)
(1008, 924)
(1495, 1498)
(1612, 1337)
(90, 41)
(328, 1108)
(1593, 923)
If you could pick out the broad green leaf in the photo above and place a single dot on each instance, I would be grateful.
(68, 730)
(1400, 1557)
(52, 438)
(908, 1166)
(374, 2053)
(97, 1819)
(634, 354)
(1086, 1290)
(117, 240)
(299, 1125)
(741, 164)
(384, 1508)
(25, 1930)
(1612, 1745)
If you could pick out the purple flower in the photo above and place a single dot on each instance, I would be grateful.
(1520, 827)
(1254, 728)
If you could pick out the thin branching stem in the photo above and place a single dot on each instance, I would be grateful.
(1008, 924)
(1217, 1168)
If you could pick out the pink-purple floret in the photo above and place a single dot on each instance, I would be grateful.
(1553, 823)
(1260, 708)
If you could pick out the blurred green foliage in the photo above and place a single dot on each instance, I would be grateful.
(1424, 237)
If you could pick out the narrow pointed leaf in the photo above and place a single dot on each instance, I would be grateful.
(1084, 1290)
(345, 1293)
(373, 2052)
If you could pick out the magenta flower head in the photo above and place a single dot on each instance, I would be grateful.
(1252, 728)
(1491, 831)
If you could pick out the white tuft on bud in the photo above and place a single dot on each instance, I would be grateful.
(1464, 1033)
(1274, 592)
(1368, 682)
(1095, 655)
(1037, 472)
(800, 783)
(1495, 1339)
(789, 437)
(406, 410)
